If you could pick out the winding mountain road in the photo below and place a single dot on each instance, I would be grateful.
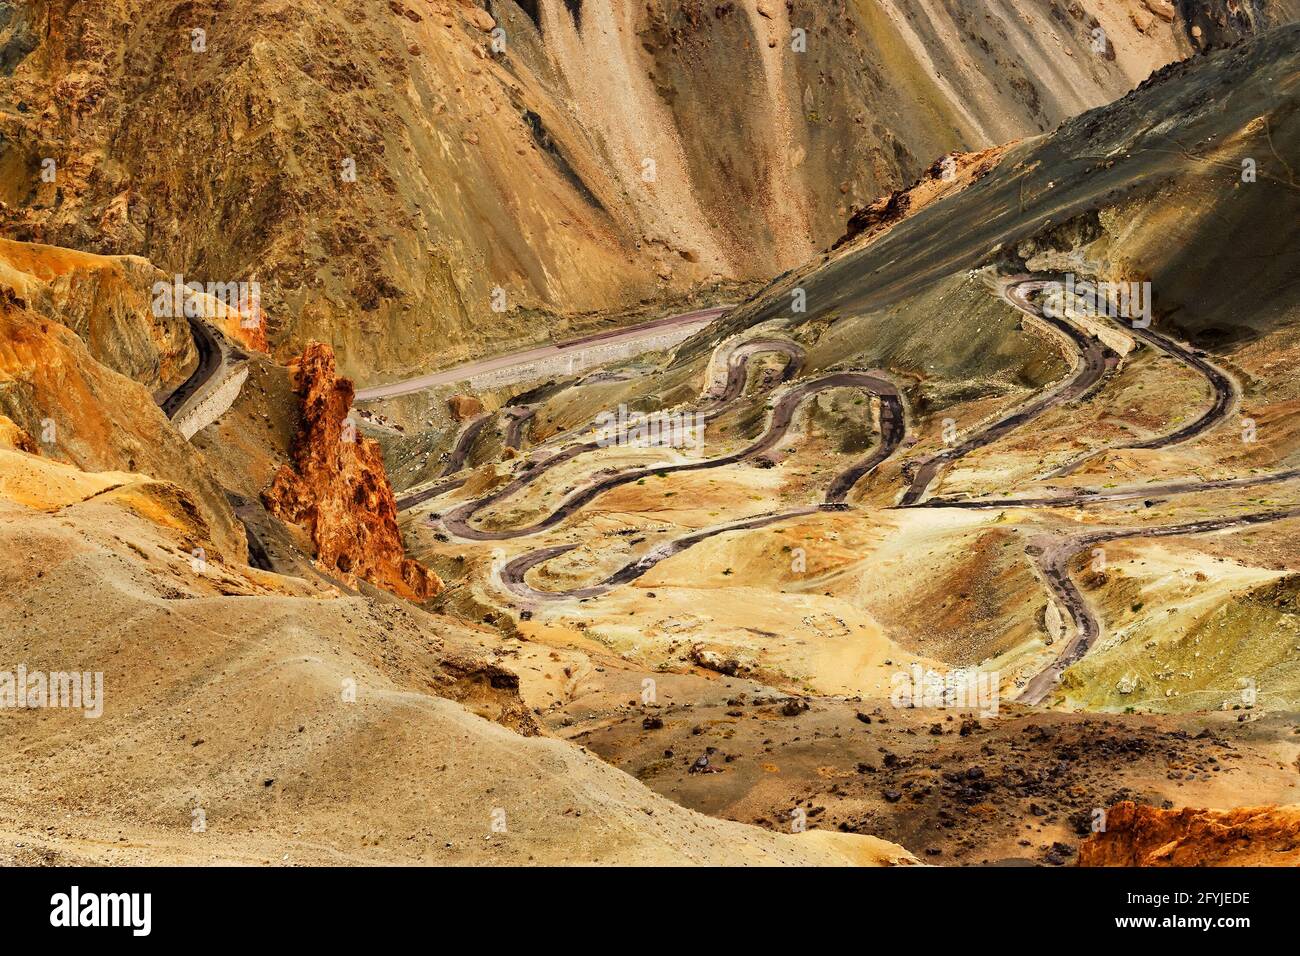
(457, 521)
(211, 356)
(892, 430)
(719, 397)
(1226, 392)
(513, 574)
(1053, 562)
(1094, 361)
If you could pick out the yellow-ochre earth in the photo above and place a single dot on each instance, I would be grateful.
(932, 557)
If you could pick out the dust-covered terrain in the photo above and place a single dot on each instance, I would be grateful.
(754, 433)
(918, 455)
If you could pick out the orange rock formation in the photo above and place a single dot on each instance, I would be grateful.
(337, 488)
(1148, 836)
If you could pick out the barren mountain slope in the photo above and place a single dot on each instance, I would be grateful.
(244, 716)
(82, 412)
(920, 471)
(247, 718)
(381, 169)
(618, 546)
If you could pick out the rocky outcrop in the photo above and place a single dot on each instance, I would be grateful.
(1138, 835)
(464, 407)
(106, 301)
(1214, 24)
(948, 174)
(15, 439)
(337, 490)
(489, 690)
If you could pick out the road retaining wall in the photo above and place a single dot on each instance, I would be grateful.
(211, 401)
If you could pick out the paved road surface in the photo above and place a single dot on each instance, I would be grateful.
(211, 356)
(892, 432)
(464, 442)
(1097, 361)
(460, 373)
(1054, 562)
(1051, 556)
(205, 342)
(520, 416)
(457, 521)
(718, 399)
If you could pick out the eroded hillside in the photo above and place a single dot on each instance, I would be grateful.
(236, 715)
(690, 604)
(384, 168)
(920, 455)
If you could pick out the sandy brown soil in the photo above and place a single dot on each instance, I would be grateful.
(287, 717)
(951, 787)
(740, 691)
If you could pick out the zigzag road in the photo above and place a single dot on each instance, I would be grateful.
(720, 397)
(1054, 559)
(1226, 396)
(892, 430)
(719, 400)
(1085, 498)
(458, 523)
(1096, 361)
